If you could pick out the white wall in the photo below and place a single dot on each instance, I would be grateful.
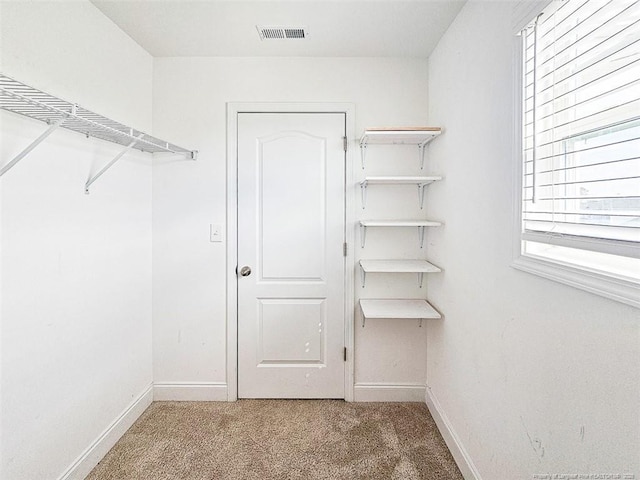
(534, 376)
(76, 269)
(189, 273)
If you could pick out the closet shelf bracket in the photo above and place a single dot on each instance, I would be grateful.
(110, 164)
(52, 128)
(421, 149)
(421, 195)
(363, 152)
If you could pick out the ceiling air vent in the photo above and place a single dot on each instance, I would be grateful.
(284, 33)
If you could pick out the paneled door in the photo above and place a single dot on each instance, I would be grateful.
(291, 265)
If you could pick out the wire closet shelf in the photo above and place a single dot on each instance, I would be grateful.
(22, 99)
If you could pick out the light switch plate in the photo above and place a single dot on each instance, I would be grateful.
(215, 232)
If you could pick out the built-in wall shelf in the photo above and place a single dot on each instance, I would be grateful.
(418, 309)
(420, 224)
(397, 266)
(420, 182)
(397, 309)
(419, 136)
(19, 98)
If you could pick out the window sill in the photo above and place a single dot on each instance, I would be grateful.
(618, 289)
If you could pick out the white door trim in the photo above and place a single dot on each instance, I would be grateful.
(233, 109)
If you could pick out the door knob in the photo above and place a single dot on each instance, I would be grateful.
(245, 271)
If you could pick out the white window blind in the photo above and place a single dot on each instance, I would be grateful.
(581, 126)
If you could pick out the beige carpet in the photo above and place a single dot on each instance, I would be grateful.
(280, 439)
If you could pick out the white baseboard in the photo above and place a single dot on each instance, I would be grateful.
(460, 455)
(388, 392)
(107, 439)
(190, 392)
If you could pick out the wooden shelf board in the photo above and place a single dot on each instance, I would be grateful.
(398, 308)
(398, 266)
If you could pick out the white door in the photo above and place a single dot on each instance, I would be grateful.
(291, 214)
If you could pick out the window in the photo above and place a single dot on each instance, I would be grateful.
(581, 145)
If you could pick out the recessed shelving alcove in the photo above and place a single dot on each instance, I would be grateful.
(394, 308)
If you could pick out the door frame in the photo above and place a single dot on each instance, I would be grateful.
(233, 109)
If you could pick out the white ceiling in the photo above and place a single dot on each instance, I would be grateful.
(337, 28)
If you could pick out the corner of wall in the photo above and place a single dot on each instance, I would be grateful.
(456, 447)
(88, 459)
